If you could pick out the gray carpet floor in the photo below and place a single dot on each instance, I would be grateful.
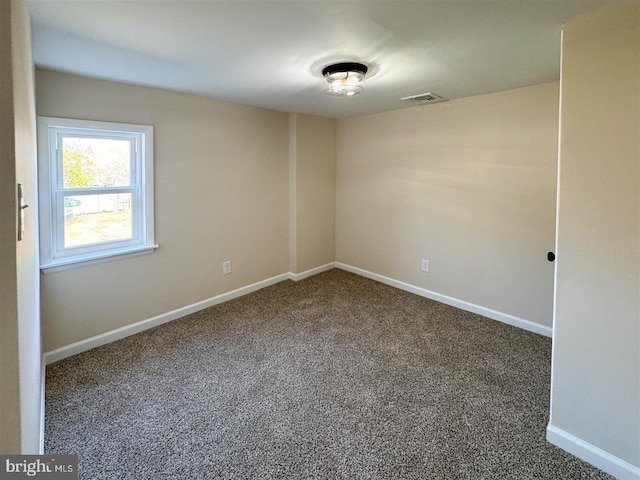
(332, 377)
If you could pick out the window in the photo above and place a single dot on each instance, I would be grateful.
(96, 191)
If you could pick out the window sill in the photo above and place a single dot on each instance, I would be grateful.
(94, 259)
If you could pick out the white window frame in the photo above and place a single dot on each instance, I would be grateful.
(54, 256)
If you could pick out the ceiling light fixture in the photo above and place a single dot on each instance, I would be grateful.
(344, 78)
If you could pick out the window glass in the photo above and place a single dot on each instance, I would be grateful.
(96, 162)
(99, 218)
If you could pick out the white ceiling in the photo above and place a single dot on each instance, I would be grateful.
(270, 53)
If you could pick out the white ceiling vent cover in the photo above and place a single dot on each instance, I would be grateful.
(424, 98)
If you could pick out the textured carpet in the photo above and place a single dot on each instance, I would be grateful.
(335, 376)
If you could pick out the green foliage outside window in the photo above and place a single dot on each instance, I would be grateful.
(78, 169)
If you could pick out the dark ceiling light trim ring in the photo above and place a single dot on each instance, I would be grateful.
(344, 79)
(345, 67)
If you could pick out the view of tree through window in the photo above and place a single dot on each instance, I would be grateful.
(96, 191)
(96, 163)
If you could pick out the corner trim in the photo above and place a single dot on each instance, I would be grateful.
(590, 453)
(454, 302)
(127, 330)
(309, 273)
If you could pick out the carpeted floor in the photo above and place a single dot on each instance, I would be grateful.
(335, 376)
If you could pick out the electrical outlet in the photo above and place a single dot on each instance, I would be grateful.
(425, 265)
(226, 267)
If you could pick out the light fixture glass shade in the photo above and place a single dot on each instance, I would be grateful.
(344, 78)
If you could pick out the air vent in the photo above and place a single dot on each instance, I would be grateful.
(424, 98)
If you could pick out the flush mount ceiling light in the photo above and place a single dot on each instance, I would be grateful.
(344, 78)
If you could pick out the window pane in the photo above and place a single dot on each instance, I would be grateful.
(97, 218)
(96, 162)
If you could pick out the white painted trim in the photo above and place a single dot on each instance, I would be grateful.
(590, 453)
(557, 235)
(454, 302)
(94, 259)
(309, 273)
(127, 330)
(53, 252)
(568, 442)
(43, 382)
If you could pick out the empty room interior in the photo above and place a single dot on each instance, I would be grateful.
(324, 239)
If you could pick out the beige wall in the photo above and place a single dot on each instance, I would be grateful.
(20, 353)
(315, 191)
(469, 185)
(221, 185)
(596, 358)
(411, 184)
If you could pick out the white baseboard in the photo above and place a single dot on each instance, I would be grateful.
(127, 330)
(454, 302)
(309, 273)
(570, 443)
(589, 453)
